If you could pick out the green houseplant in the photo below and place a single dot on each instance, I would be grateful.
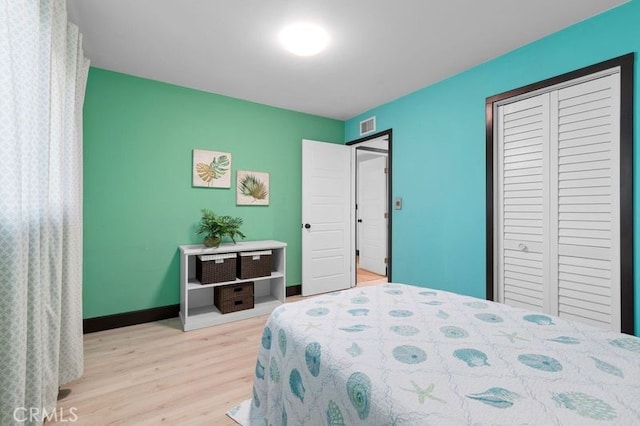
(216, 227)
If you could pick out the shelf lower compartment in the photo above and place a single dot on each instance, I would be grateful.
(194, 284)
(210, 315)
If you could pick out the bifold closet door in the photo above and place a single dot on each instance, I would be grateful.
(588, 204)
(523, 178)
(558, 202)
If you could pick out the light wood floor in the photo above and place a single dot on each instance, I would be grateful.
(155, 373)
(364, 276)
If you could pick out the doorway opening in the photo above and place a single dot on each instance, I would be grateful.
(372, 208)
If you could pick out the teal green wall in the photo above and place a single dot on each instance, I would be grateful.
(139, 204)
(439, 151)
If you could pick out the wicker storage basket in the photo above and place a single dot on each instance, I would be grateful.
(254, 264)
(215, 268)
(233, 297)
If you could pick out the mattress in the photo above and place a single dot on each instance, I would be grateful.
(400, 354)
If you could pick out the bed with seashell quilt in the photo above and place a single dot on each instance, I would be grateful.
(401, 354)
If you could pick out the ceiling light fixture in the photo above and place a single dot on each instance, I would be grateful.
(304, 39)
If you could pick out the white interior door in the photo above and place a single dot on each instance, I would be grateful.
(326, 217)
(372, 182)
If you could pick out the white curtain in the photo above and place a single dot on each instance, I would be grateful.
(43, 74)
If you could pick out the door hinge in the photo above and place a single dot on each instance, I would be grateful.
(386, 215)
(386, 260)
(386, 170)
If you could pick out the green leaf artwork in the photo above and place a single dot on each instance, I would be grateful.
(211, 169)
(218, 167)
(253, 188)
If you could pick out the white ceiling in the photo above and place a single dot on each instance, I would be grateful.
(379, 50)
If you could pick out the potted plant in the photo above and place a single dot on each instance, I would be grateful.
(216, 227)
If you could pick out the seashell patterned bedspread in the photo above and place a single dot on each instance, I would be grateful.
(400, 354)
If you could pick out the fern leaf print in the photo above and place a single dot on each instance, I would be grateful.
(253, 188)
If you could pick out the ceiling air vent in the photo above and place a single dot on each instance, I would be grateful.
(367, 126)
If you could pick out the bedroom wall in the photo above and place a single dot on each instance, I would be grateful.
(138, 201)
(439, 151)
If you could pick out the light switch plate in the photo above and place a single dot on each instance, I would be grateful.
(398, 203)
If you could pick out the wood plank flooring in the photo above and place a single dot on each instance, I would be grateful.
(365, 276)
(155, 373)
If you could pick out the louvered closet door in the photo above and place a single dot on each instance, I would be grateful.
(558, 237)
(523, 142)
(588, 206)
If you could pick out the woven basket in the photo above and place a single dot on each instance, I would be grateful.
(254, 264)
(233, 297)
(216, 268)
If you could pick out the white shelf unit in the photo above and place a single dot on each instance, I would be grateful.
(196, 300)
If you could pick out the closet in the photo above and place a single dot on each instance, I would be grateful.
(557, 200)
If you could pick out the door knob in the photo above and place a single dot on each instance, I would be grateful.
(307, 226)
(523, 247)
(359, 220)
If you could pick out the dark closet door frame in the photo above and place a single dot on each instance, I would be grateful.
(626, 64)
(389, 134)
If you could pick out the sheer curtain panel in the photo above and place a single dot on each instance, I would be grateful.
(43, 74)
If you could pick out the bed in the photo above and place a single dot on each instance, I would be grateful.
(400, 354)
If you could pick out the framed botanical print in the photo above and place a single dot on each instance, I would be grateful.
(211, 169)
(252, 188)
